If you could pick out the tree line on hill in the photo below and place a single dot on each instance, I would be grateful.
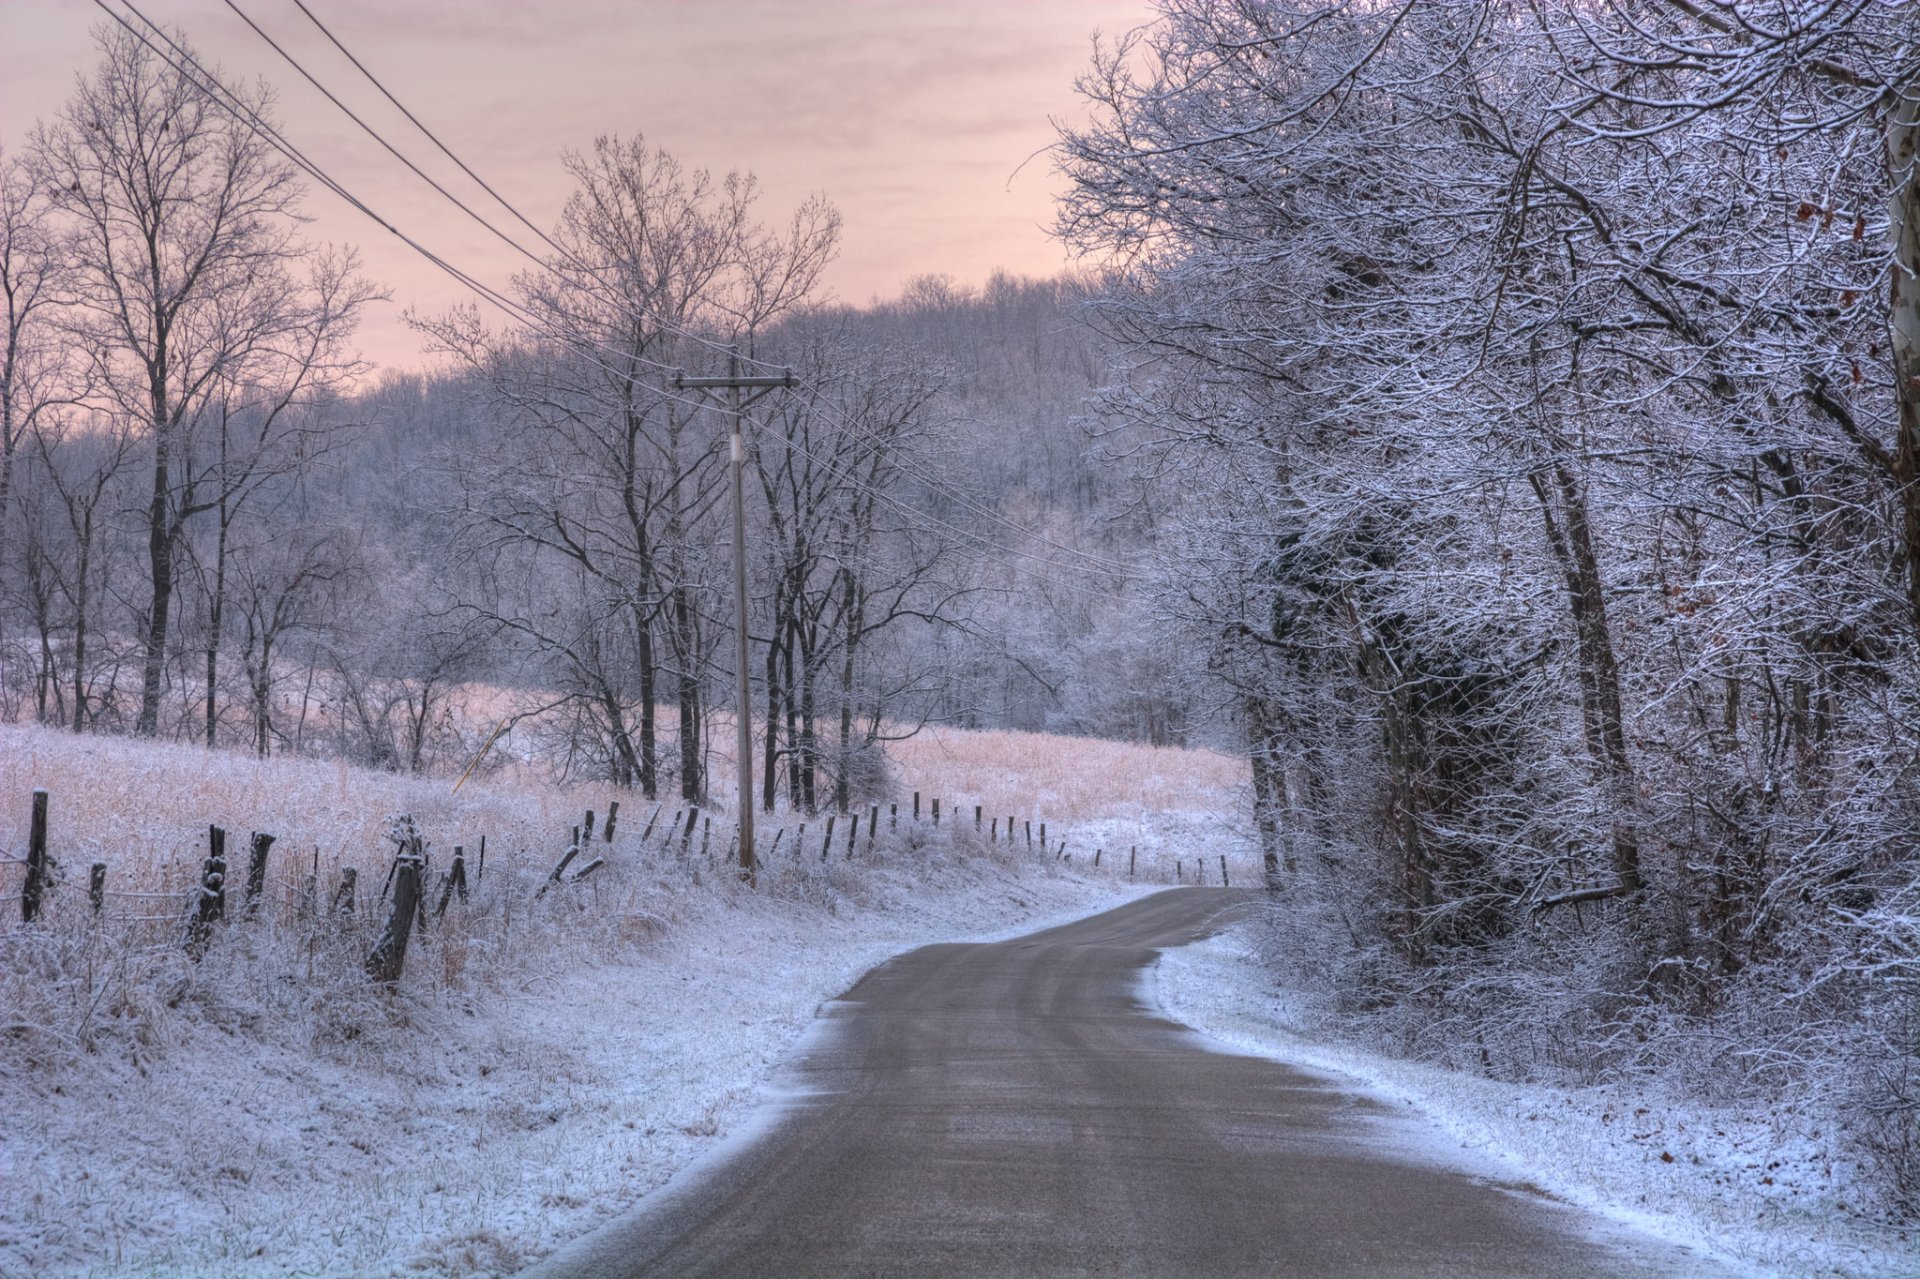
(216, 526)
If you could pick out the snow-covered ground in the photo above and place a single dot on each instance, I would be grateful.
(1762, 1190)
(468, 1134)
(546, 1060)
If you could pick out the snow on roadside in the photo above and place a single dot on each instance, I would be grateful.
(1760, 1189)
(499, 1125)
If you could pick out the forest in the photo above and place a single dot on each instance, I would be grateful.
(1499, 421)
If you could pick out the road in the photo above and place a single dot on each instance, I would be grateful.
(1014, 1110)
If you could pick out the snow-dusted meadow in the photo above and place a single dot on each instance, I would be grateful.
(543, 1063)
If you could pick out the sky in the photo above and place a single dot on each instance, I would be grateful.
(924, 121)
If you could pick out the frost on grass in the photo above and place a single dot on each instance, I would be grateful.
(542, 1063)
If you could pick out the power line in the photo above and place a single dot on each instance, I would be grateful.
(228, 100)
(633, 309)
(954, 495)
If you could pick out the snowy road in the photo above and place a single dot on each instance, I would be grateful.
(1012, 1109)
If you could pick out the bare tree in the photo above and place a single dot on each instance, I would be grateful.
(617, 481)
(189, 283)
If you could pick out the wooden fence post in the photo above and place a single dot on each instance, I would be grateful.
(454, 881)
(1043, 837)
(1133, 855)
(1096, 857)
(1009, 831)
(1179, 871)
(647, 834)
(686, 836)
(993, 832)
(613, 811)
(827, 843)
(893, 817)
(1223, 872)
(873, 824)
(211, 905)
(36, 889)
(916, 806)
(97, 886)
(976, 819)
(389, 954)
(257, 871)
(1029, 826)
(343, 895)
(777, 836)
(936, 812)
(480, 871)
(853, 832)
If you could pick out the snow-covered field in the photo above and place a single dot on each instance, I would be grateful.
(1762, 1190)
(543, 1064)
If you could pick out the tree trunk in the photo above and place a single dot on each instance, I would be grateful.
(1571, 539)
(1903, 323)
(80, 603)
(216, 611)
(159, 548)
(693, 781)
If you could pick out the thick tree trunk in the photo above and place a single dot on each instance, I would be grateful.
(81, 602)
(159, 547)
(216, 613)
(1570, 536)
(1903, 172)
(770, 751)
(693, 780)
(1269, 792)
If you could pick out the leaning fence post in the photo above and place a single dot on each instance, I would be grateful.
(211, 905)
(454, 881)
(389, 954)
(36, 888)
(1096, 857)
(827, 843)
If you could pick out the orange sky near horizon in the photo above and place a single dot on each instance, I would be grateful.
(924, 122)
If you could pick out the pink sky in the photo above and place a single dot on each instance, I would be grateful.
(913, 117)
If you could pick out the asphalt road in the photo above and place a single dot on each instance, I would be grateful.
(1013, 1110)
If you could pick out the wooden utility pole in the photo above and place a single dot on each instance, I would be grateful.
(733, 384)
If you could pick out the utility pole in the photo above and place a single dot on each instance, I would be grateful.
(733, 384)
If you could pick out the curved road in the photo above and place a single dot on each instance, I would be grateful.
(1013, 1110)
